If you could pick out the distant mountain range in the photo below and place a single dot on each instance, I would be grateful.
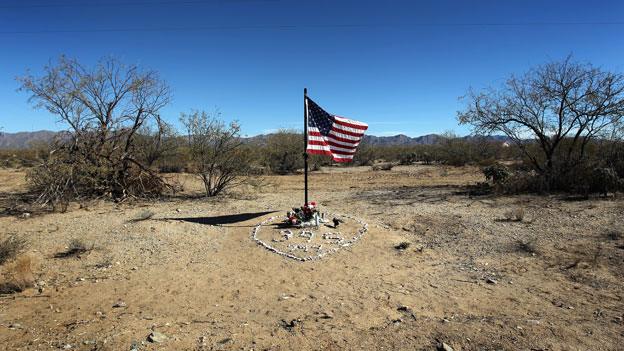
(22, 140)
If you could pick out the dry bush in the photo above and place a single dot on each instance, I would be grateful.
(496, 172)
(76, 247)
(75, 173)
(102, 154)
(524, 182)
(605, 180)
(284, 152)
(566, 107)
(18, 276)
(365, 154)
(408, 158)
(215, 151)
(11, 247)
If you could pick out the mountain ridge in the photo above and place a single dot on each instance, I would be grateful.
(22, 140)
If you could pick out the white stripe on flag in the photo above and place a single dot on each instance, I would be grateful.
(343, 143)
(319, 147)
(345, 136)
(341, 149)
(330, 139)
(348, 129)
(351, 121)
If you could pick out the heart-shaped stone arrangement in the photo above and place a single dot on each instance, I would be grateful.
(311, 243)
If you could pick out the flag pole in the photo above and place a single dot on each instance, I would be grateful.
(305, 143)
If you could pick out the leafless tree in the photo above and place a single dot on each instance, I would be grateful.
(563, 105)
(215, 151)
(155, 142)
(104, 107)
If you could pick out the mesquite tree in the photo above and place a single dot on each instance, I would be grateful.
(562, 105)
(215, 151)
(104, 107)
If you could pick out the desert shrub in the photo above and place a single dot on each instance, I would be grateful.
(605, 180)
(523, 182)
(155, 143)
(408, 158)
(28, 157)
(496, 173)
(453, 150)
(555, 105)
(18, 276)
(284, 152)
(171, 169)
(11, 247)
(105, 108)
(426, 157)
(386, 166)
(215, 151)
(75, 172)
(365, 155)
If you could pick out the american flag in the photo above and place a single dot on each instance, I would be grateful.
(331, 135)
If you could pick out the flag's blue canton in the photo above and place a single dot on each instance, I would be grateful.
(318, 118)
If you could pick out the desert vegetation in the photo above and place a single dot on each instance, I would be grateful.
(565, 109)
(561, 127)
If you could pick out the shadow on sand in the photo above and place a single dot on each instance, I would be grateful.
(221, 220)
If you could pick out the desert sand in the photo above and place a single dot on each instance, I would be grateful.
(471, 276)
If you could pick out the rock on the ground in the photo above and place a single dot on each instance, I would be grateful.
(156, 337)
(444, 347)
(491, 281)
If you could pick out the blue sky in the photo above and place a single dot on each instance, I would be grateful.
(398, 65)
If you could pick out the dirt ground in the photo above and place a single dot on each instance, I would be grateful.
(471, 277)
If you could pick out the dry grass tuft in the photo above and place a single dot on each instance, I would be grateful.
(18, 276)
(11, 247)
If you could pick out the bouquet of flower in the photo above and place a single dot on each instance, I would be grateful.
(305, 213)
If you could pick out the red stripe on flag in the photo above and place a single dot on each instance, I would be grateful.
(338, 152)
(333, 143)
(317, 142)
(344, 140)
(339, 159)
(336, 138)
(350, 125)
